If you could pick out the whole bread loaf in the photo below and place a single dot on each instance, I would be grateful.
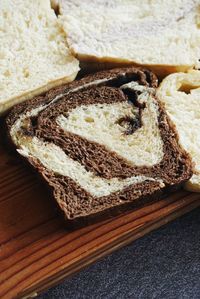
(103, 144)
(34, 56)
(181, 95)
(163, 35)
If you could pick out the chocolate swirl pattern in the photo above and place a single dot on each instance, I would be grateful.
(103, 143)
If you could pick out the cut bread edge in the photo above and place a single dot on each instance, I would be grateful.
(89, 63)
(93, 63)
(8, 104)
(63, 71)
(192, 185)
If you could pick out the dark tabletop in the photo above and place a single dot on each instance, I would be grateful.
(163, 264)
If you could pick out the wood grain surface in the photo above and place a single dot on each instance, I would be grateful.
(37, 251)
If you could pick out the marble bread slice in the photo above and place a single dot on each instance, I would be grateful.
(103, 144)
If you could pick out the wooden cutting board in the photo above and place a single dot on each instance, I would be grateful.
(37, 251)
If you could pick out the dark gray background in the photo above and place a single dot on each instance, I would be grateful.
(163, 264)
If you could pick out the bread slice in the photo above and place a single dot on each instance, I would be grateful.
(103, 144)
(162, 35)
(34, 56)
(181, 95)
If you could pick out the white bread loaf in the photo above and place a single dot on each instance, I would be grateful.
(180, 93)
(34, 56)
(162, 35)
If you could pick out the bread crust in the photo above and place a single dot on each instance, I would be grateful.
(4, 107)
(90, 64)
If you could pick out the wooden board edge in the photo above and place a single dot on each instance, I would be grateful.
(37, 289)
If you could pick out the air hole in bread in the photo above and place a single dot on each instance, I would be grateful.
(89, 119)
(5, 14)
(26, 73)
(2, 55)
(51, 37)
(130, 124)
(33, 121)
(27, 23)
(6, 73)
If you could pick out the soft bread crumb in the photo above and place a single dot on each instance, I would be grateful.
(86, 121)
(181, 95)
(54, 158)
(163, 34)
(33, 53)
